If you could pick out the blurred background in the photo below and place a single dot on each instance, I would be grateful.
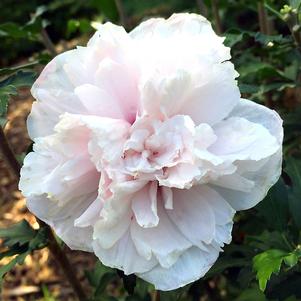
(263, 261)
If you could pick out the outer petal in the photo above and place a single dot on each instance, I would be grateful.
(54, 92)
(262, 115)
(60, 183)
(191, 266)
(240, 139)
(55, 88)
(123, 255)
(195, 28)
(62, 218)
(197, 212)
(263, 173)
(165, 242)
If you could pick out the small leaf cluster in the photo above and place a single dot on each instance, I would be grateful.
(19, 241)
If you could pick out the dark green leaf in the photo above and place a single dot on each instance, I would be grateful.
(20, 233)
(12, 30)
(266, 39)
(274, 208)
(108, 8)
(293, 168)
(251, 294)
(9, 86)
(10, 70)
(103, 282)
(19, 259)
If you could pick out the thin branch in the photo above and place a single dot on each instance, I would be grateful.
(202, 7)
(54, 247)
(63, 261)
(122, 14)
(8, 155)
(262, 18)
(47, 42)
(156, 296)
(215, 11)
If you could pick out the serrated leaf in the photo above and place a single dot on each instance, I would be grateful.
(266, 39)
(20, 233)
(267, 263)
(19, 259)
(9, 86)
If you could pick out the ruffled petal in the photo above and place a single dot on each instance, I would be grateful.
(164, 242)
(240, 139)
(144, 205)
(193, 215)
(62, 218)
(123, 255)
(191, 266)
(253, 179)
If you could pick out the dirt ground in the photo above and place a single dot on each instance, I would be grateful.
(39, 275)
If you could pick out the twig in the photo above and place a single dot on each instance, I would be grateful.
(156, 296)
(47, 42)
(54, 247)
(202, 7)
(122, 14)
(63, 261)
(8, 155)
(215, 10)
(262, 18)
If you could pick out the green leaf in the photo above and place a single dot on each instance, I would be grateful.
(266, 39)
(12, 30)
(267, 263)
(97, 273)
(293, 168)
(20, 233)
(11, 70)
(108, 8)
(19, 79)
(295, 4)
(9, 86)
(248, 89)
(103, 282)
(252, 293)
(6, 268)
(224, 263)
(233, 37)
(274, 208)
(291, 259)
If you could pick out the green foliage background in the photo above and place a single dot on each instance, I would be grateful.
(263, 261)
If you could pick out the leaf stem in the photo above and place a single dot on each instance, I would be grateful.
(54, 247)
